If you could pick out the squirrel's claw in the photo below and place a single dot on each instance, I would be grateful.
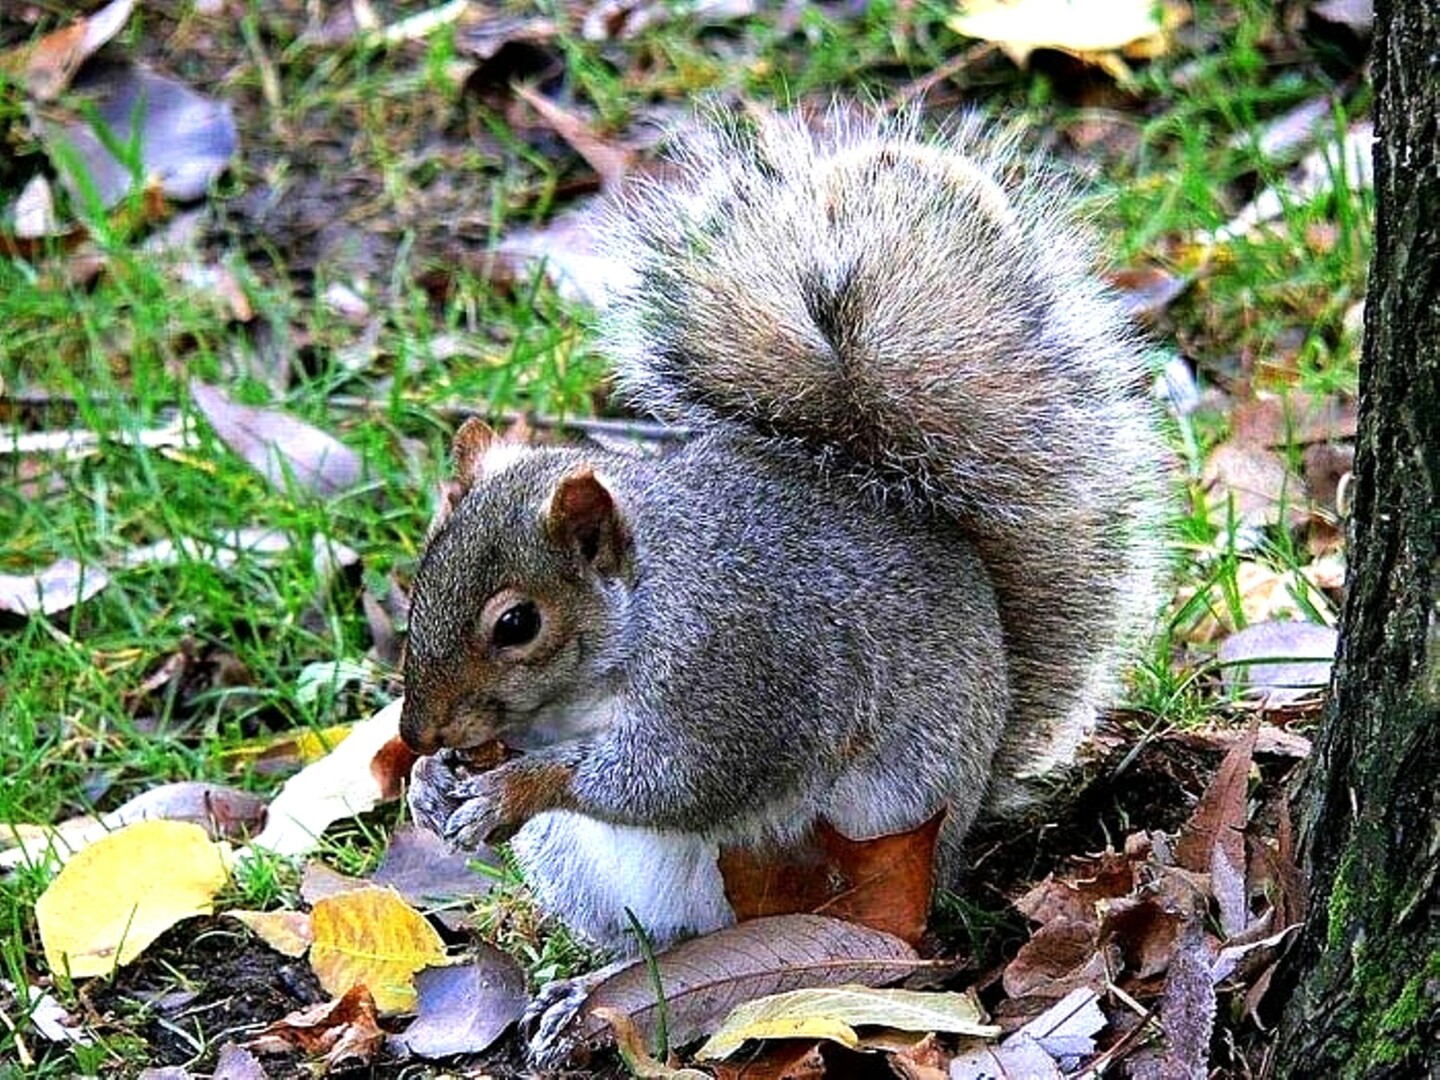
(431, 794)
(480, 816)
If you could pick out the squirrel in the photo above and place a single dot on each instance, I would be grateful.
(896, 568)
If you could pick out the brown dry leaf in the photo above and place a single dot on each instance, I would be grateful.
(287, 932)
(922, 1060)
(356, 776)
(704, 978)
(1294, 419)
(613, 162)
(371, 937)
(1257, 483)
(225, 813)
(1269, 741)
(1061, 956)
(1144, 932)
(464, 1008)
(345, 1031)
(884, 883)
(51, 591)
(1076, 895)
(1147, 291)
(45, 67)
(777, 1061)
(122, 892)
(279, 446)
(1213, 840)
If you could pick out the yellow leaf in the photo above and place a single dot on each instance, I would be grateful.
(372, 937)
(271, 753)
(122, 892)
(287, 932)
(834, 1013)
(1079, 27)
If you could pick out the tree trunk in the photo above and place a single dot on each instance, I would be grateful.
(1366, 973)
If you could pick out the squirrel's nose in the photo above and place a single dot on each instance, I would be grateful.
(416, 731)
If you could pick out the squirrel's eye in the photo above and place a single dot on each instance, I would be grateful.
(517, 625)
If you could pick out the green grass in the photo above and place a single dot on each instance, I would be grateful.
(115, 355)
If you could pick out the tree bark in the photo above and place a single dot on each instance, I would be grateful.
(1365, 976)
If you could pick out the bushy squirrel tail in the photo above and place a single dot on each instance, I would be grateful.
(911, 313)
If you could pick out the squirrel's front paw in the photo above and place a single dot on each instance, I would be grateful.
(432, 794)
(479, 811)
(491, 806)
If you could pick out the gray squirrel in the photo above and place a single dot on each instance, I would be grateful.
(897, 568)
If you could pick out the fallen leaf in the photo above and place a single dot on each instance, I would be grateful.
(1059, 957)
(1147, 291)
(319, 880)
(370, 937)
(611, 161)
(224, 812)
(1255, 484)
(234, 1062)
(46, 66)
(639, 1062)
(122, 892)
(620, 20)
(424, 870)
(1087, 29)
(705, 977)
(279, 446)
(778, 1061)
(56, 589)
(184, 140)
(1293, 419)
(355, 777)
(1346, 162)
(1076, 895)
(1187, 1008)
(574, 261)
(464, 1008)
(1068, 1028)
(346, 1031)
(1019, 1057)
(1143, 932)
(1357, 15)
(51, 1020)
(285, 750)
(1279, 662)
(287, 932)
(1220, 815)
(884, 883)
(835, 1012)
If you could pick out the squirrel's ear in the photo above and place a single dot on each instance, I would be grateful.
(468, 454)
(582, 515)
(468, 451)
